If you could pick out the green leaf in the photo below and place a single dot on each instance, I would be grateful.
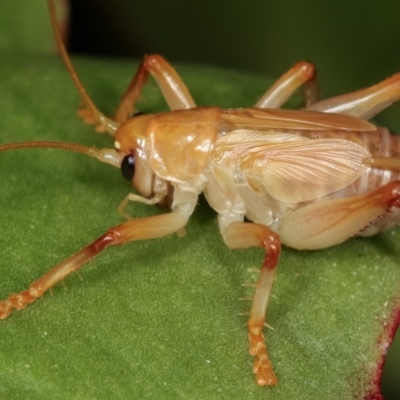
(24, 25)
(160, 319)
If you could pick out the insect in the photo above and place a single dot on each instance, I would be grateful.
(308, 179)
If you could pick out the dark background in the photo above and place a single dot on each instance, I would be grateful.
(356, 42)
(353, 44)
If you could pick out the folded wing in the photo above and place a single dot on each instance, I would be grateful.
(261, 119)
(292, 168)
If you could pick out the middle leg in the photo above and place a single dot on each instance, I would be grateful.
(243, 235)
(303, 73)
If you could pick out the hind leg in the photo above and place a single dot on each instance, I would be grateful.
(314, 226)
(363, 103)
(328, 223)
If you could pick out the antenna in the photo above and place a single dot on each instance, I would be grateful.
(109, 125)
(108, 156)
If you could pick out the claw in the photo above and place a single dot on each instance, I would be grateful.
(89, 118)
(15, 302)
(265, 375)
(262, 366)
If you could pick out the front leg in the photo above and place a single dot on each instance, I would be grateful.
(173, 89)
(242, 235)
(171, 85)
(138, 229)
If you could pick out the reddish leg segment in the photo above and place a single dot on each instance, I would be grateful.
(303, 73)
(139, 229)
(242, 235)
(171, 85)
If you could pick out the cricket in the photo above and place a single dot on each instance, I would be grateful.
(307, 179)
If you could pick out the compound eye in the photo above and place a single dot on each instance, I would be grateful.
(128, 167)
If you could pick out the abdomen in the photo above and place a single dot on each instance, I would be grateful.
(379, 143)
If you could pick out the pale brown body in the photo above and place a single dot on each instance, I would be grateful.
(308, 179)
(227, 139)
